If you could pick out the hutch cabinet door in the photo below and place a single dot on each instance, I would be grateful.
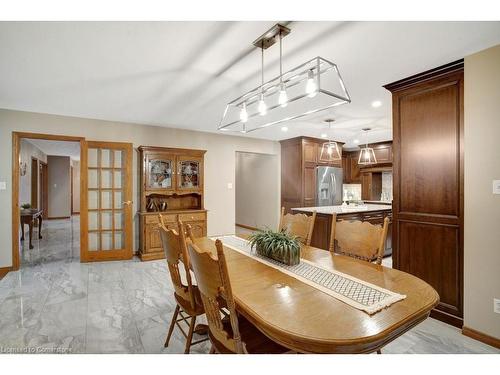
(159, 172)
(189, 173)
(106, 212)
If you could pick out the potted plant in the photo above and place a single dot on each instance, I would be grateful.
(26, 206)
(280, 246)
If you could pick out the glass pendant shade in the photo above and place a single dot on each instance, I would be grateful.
(283, 98)
(311, 87)
(367, 156)
(244, 113)
(330, 152)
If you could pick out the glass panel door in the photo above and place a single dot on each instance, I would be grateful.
(159, 173)
(108, 207)
(189, 172)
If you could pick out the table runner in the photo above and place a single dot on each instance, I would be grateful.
(357, 293)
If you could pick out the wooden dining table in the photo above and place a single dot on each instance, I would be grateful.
(307, 320)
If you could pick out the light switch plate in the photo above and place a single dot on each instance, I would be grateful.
(3, 185)
(496, 186)
(229, 185)
(496, 305)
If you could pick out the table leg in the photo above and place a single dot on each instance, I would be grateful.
(22, 230)
(31, 233)
(40, 227)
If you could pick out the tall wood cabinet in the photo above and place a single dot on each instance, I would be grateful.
(428, 183)
(299, 158)
(171, 183)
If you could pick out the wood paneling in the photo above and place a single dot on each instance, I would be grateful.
(428, 183)
(310, 152)
(310, 184)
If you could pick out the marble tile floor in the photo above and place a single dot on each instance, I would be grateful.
(61, 305)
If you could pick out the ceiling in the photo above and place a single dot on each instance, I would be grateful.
(58, 148)
(182, 74)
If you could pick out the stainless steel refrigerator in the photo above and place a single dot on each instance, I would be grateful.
(329, 186)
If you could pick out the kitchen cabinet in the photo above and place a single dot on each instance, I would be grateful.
(428, 215)
(352, 174)
(383, 154)
(371, 186)
(299, 158)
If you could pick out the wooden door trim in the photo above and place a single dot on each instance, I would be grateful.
(16, 148)
(34, 197)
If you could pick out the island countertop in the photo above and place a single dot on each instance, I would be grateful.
(349, 209)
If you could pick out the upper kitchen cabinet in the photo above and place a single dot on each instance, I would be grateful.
(299, 158)
(428, 182)
(383, 154)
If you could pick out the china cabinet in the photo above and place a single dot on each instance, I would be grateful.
(171, 184)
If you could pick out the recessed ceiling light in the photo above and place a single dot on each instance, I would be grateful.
(284, 129)
(356, 141)
(324, 135)
(376, 103)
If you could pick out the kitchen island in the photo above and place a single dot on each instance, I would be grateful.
(373, 213)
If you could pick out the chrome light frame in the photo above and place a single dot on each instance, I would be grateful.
(290, 79)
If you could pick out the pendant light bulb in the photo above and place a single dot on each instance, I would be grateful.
(262, 105)
(283, 98)
(244, 113)
(311, 87)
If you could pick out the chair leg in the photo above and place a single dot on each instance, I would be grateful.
(190, 334)
(172, 325)
(379, 351)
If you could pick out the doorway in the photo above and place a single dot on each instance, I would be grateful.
(108, 184)
(257, 191)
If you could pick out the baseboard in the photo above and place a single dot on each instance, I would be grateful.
(58, 217)
(246, 226)
(4, 271)
(447, 318)
(75, 213)
(483, 337)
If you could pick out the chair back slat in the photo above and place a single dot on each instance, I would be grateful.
(300, 225)
(174, 247)
(361, 240)
(215, 288)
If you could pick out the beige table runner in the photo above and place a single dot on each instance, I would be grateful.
(357, 293)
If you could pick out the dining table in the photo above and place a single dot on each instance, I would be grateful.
(305, 319)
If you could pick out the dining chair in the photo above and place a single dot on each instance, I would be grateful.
(229, 333)
(187, 295)
(357, 239)
(300, 225)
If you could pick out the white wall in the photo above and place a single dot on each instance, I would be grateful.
(27, 151)
(219, 160)
(257, 199)
(59, 181)
(482, 208)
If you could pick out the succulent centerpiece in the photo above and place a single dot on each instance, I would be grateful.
(280, 246)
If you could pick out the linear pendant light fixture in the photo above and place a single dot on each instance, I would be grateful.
(367, 154)
(311, 87)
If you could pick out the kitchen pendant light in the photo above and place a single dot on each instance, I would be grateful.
(330, 150)
(311, 87)
(367, 154)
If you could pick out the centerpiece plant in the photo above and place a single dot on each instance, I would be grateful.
(280, 246)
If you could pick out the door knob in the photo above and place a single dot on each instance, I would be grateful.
(127, 203)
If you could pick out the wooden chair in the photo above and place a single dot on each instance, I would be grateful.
(357, 239)
(230, 333)
(186, 295)
(300, 225)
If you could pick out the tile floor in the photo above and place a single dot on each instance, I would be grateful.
(60, 305)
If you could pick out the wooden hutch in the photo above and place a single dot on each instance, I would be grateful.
(171, 183)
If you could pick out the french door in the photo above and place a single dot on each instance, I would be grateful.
(106, 212)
